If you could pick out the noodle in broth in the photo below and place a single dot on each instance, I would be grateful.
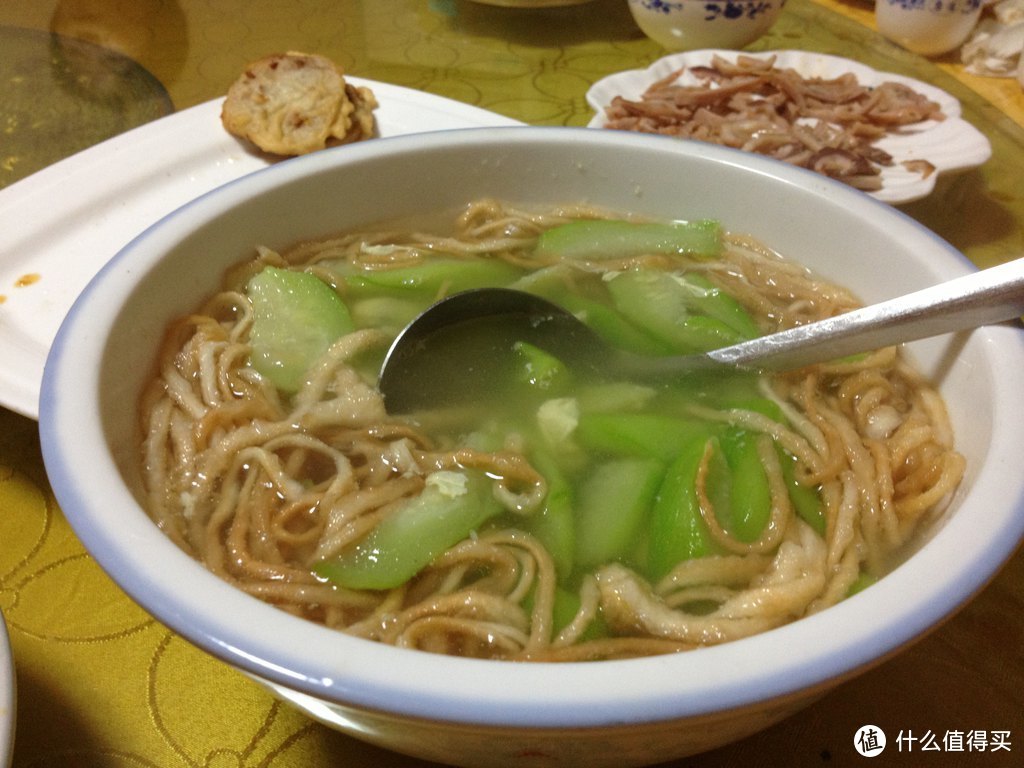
(264, 486)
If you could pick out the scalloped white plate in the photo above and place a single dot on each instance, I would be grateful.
(61, 224)
(952, 144)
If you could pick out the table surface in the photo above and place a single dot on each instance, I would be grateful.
(100, 682)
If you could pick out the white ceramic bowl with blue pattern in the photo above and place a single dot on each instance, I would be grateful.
(687, 25)
(928, 27)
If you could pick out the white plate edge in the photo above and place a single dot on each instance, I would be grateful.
(8, 696)
(55, 191)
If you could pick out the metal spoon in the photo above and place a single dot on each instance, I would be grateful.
(426, 365)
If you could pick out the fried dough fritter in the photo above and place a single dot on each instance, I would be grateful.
(294, 103)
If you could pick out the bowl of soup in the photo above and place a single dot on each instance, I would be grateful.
(559, 565)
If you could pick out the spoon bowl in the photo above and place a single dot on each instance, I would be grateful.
(427, 366)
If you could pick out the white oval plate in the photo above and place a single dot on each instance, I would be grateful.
(61, 224)
(952, 144)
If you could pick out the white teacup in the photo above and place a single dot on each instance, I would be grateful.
(928, 27)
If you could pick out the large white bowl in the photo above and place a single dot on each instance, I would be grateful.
(463, 711)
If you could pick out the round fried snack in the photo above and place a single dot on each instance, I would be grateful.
(294, 103)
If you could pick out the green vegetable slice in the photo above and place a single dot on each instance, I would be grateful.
(677, 530)
(750, 498)
(414, 535)
(539, 370)
(664, 305)
(296, 318)
(646, 435)
(432, 279)
(554, 525)
(611, 326)
(806, 501)
(708, 299)
(601, 239)
(612, 508)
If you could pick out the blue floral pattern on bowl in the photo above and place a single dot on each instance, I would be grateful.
(934, 6)
(693, 24)
(661, 6)
(728, 9)
(738, 10)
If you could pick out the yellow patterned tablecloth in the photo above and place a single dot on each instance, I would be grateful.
(101, 683)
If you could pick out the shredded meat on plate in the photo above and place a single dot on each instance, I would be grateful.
(829, 126)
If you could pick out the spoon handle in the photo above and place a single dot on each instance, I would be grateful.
(990, 295)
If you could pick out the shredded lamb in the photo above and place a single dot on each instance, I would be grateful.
(829, 126)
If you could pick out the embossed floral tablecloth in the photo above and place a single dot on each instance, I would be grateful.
(101, 683)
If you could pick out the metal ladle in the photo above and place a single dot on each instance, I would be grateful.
(425, 366)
